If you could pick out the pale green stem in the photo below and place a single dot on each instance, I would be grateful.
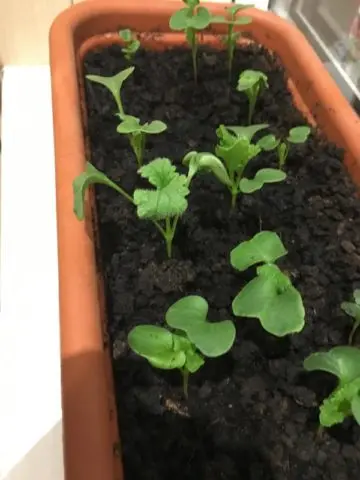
(185, 376)
(119, 103)
(353, 330)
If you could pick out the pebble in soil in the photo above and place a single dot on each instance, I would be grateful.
(251, 415)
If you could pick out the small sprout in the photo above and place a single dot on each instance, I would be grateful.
(167, 201)
(132, 44)
(137, 133)
(344, 401)
(114, 84)
(270, 296)
(191, 19)
(353, 309)
(252, 82)
(296, 135)
(195, 338)
(165, 204)
(235, 150)
(232, 37)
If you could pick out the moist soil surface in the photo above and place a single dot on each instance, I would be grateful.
(252, 414)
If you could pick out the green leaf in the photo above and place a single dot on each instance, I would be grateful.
(243, 20)
(129, 124)
(150, 340)
(298, 134)
(169, 198)
(248, 131)
(342, 361)
(234, 9)
(154, 127)
(114, 83)
(194, 361)
(339, 404)
(168, 360)
(264, 247)
(126, 35)
(200, 20)
(357, 296)
(250, 78)
(236, 151)
(272, 299)
(179, 19)
(268, 143)
(266, 175)
(197, 161)
(351, 309)
(355, 408)
(213, 339)
(219, 19)
(81, 183)
(187, 311)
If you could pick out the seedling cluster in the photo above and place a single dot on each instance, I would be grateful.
(270, 297)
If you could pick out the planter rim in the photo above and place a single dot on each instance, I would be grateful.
(89, 416)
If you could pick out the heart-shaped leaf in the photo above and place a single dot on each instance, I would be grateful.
(179, 19)
(298, 134)
(263, 176)
(268, 143)
(201, 19)
(187, 312)
(272, 299)
(213, 339)
(264, 247)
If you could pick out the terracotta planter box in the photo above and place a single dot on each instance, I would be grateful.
(90, 431)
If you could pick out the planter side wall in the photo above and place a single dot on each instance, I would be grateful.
(88, 406)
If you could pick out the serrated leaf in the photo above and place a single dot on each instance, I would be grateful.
(298, 134)
(169, 198)
(186, 312)
(263, 176)
(264, 247)
(154, 127)
(272, 299)
(247, 131)
(268, 143)
(338, 405)
(201, 19)
(197, 161)
(179, 19)
(342, 361)
(236, 155)
(249, 78)
(213, 339)
(81, 183)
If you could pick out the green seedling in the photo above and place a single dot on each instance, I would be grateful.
(137, 133)
(163, 205)
(235, 151)
(353, 309)
(193, 338)
(270, 296)
(191, 19)
(252, 83)
(232, 36)
(344, 401)
(132, 44)
(114, 85)
(297, 135)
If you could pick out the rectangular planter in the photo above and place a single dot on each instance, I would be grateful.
(90, 432)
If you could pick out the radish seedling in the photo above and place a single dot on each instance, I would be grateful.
(163, 205)
(136, 132)
(270, 296)
(252, 83)
(114, 84)
(344, 401)
(232, 37)
(235, 152)
(353, 309)
(191, 19)
(132, 44)
(194, 338)
(296, 135)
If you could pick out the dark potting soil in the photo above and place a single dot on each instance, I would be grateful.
(252, 414)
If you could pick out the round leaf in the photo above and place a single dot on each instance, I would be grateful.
(298, 134)
(179, 19)
(351, 309)
(168, 360)
(264, 247)
(268, 143)
(187, 312)
(154, 127)
(342, 361)
(150, 340)
(263, 176)
(213, 339)
(201, 19)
